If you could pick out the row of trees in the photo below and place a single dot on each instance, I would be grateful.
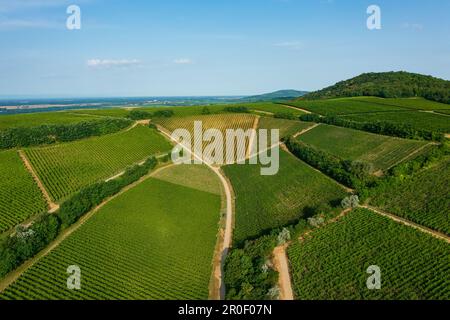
(48, 134)
(28, 241)
(144, 115)
(380, 127)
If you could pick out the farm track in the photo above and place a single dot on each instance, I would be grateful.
(296, 108)
(14, 275)
(252, 138)
(218, 290)
(52, 205)
(305, 130)
(281, 264)
(408, 223)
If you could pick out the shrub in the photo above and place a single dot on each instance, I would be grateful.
(139, 115)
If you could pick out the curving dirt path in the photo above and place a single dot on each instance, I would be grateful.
(306, 130)
(218, 290)
(281, 264)
(53, 207)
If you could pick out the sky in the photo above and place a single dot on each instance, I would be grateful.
(212, 47)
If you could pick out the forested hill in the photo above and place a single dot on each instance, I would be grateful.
(388, 85)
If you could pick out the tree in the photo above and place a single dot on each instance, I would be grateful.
(206, 111)
(284, 236)
(350, 202)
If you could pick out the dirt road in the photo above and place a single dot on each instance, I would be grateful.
(281, 264)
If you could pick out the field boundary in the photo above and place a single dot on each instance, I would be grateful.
(296, 108)
(53, 207)
(15, 274)
(306, 130)
(408, 223)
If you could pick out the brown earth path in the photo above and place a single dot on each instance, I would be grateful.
(52, 205)
(296, 108)
(306, 130)
(281, 264)
(217, 291)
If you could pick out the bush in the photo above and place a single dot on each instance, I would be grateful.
(163, 114)
(350, 202)
(237, 109)
(139, 115)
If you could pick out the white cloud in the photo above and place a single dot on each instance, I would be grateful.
(183, 61)
(289, 44)
(111, 63)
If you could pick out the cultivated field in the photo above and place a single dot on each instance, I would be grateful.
(424, 198)
(221, 122)
(286, 127)
(408, 103)
(266, 202)
(156, 241)
(332, 107)
(332, 262)
(382, 151)
(20, 195)
(416, 119)
(38, 119)
(67, 167)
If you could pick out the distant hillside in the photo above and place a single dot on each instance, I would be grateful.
(277, 95)
(388, 85)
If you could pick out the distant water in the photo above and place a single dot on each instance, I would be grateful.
(32, 105)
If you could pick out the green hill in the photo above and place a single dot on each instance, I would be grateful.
(277, 95)
(388, 85)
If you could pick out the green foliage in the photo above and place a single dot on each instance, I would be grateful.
(26, 242)
(48, 134)
(206, 111)
(379, 127)
(332, 261)
(248, 274)
(163, 114)
(285, 115)
(66, 168)
(154, 242)
(350, 202)
(381, 152)
(20, 196)
(139, 115)
(86, 199)
(296, 191)
(417, 191)
(340, 170)
(388, 85)
(237, 109)
(40, 118)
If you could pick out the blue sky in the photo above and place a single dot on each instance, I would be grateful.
(212, 47)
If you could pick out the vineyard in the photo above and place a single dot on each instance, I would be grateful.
(419, 120)
(332, 262)
(38, 119)
(266, 202)
(221, 122)
(286, 127)
(272, 108)
(423, 198)
(341, 106)
(65, 168)
(382, 151)
(154, 242)
(198, 177)
(407, 103)
(21, 197)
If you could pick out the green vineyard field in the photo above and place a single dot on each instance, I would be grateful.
(67, 167)
(20, 195)
(382, 151)
(38, 119)
(423, 198)
(154, 242)
(266, 202)
(332, 261)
